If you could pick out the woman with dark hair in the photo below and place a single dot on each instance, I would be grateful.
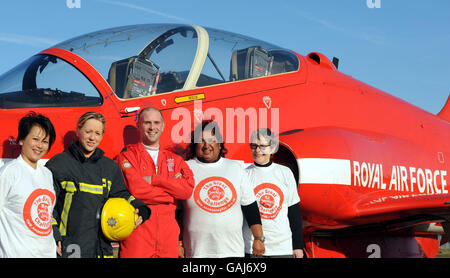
(84, 180)
(27, 196)
(222, 197)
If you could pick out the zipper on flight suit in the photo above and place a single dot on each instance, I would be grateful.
(157, 232)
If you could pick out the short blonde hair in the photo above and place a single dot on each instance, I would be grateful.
(91, 115)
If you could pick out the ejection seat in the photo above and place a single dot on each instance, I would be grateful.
(250, 62)
(133, 77)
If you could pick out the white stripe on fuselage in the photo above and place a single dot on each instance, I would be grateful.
(312, 170)
(324, 171)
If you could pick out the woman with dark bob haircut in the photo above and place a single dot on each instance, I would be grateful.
(27, 196)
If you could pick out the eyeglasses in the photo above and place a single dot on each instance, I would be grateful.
(263, 148)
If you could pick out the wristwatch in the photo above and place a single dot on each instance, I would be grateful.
(261, 238)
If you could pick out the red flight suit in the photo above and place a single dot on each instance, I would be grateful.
(158, 236)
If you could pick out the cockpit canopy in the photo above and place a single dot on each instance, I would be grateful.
(140, 61)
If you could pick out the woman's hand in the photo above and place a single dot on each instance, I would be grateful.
(138, 221)
(298, 253)
(258, 248)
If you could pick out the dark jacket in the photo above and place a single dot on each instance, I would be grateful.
(82, 186)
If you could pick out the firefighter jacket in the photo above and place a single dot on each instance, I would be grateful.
(82, 186)
(157, 237)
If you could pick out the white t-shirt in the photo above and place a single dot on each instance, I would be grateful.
(275, 190)
(27, 199)
(213, 216)
(154, 154)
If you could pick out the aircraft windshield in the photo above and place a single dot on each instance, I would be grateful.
(160, 57)
(143, 60)
(46, 81)
(233, 57)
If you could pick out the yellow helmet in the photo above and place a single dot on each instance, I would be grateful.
(118, 219)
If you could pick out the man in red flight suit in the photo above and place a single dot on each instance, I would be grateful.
(159, 178)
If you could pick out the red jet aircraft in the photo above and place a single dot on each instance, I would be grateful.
(372, 169)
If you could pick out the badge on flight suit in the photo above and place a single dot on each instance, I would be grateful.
(126, 164)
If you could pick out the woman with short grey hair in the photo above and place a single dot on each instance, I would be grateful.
(275, 189)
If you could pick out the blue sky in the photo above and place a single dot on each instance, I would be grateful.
(401, 47)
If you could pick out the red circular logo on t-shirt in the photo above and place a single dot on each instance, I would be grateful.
(267, 201)
(270, 199)
(215, 194)
(37, 211)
